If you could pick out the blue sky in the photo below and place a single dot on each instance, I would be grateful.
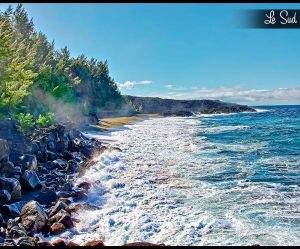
(182, 51)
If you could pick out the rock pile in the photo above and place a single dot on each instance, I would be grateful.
(36, 182)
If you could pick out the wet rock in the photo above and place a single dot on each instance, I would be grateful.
(64, 194)
(79, 196)
(57, 228)
(62, 217)
(72, 166)
(85, 185)
(14, 209)
(67, 187)
(28, 162)
(51, 146)
(48, 165)
(42, 157)
(17, 232)
(58, 242)
(52, 156)
(2, 232)
(59, 164)
(25, 241)
(58, 206)
(43, 243)
(1, 219)
(6, 168)
(1, 240)
(35, 148)
(4, 150)
(12, 186)
(74, 208)
(30, 181)
(5, 197)
(143, 244)
(9, 242)
(47, 197)
(67, 155)
(34, 217)
(17, 171)
(66, 201)
(12, 222)
(71, 243)
(94, 243)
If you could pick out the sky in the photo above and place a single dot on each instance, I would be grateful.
(180, 51)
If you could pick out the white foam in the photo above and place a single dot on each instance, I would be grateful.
(158, 190)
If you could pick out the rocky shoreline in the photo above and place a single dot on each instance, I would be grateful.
(37, 190)
(36, 181)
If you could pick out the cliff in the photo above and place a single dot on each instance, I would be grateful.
(169, 107)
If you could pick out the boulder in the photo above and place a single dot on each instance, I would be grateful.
(67, 155)
(143, 244)
(28, 162)
(1, 219)
(43, 243)
(51, 146)
(94, 243)
(74, 207)
(58, 242)
(25, 241)
(52, 156)
(14, 209)
(7, 168)
(72, 166)
(79, 195)
(35, 147)
(30, 181)
(57, 207)
(59, 163)
(62, 217)
(5, 197)
(85, 185)
(71, 243)
(42, 156)
(34, 218)
(9, 242)
(4, 150)
(57, 228)
(12, 186)
(47, 197)
(17, 171)
(12, 222)
(17, 232)
(67, 187)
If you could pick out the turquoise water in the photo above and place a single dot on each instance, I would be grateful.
(255, 170)
(230, 179)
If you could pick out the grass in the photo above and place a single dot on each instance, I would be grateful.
(109, 123)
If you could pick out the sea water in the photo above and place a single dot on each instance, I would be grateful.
(207, 180)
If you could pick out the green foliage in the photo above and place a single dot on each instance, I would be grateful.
(25, 122)
(47, 120)
(29, 65)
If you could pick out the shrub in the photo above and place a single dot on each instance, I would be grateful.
(25, 122)
(47, 120)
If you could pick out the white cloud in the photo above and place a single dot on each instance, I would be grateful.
(131, 84)
(238, 95)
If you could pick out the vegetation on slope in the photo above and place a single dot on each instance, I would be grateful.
(37, 79)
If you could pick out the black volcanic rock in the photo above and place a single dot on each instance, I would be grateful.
(172, 107)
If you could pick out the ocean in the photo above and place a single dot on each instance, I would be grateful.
(224, 179)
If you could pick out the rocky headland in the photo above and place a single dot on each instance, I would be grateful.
(172, 107)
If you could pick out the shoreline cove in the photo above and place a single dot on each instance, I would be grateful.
(153, 189)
